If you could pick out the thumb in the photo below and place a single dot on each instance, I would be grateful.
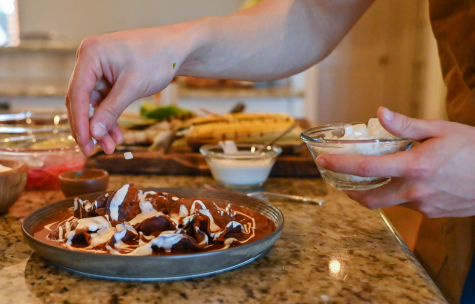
(407, 127)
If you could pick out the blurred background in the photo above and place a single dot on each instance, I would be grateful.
(389, 58)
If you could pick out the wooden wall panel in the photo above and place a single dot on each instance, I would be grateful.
(377, 63)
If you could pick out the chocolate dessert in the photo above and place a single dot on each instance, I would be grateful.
(131, 222)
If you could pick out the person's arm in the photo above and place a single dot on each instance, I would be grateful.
(274, 39)
(271, 40)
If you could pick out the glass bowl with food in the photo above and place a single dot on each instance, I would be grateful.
(248, 167)
(356, 139)
(47, 156)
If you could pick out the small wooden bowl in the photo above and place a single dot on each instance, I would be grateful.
(12, 183)
(74, 183)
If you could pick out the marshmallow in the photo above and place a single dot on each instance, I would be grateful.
(91, 111)
(128, 155)
(374, 130)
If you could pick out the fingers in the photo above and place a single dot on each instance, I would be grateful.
(388, 195)
(107, 144)
(70, 117)
(109, 110)
(116, 134)
(88, 148)
(79, 95)
(96, 98)
(101, 90)
(112, 138)
(398, 164)
(367, 165)
(403, 126)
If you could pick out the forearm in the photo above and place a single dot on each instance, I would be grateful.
(274, 39)
(271, 40)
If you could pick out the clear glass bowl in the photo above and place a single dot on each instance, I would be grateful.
(314, 138)
(246, 169)
(46, 157)
(29, 123)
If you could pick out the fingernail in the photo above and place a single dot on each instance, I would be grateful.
(388, 114)
(321, 162)
(98, 130)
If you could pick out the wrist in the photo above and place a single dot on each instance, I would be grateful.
(197, 37)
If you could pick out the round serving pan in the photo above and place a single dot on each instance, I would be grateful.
(156, 267)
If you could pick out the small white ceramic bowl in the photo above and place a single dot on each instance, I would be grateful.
(246, 169)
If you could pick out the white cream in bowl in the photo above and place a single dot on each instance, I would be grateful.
(245, 167)
(241, 172)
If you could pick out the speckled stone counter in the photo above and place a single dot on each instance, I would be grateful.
(335, 253)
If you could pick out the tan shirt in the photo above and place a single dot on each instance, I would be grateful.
(445, 246)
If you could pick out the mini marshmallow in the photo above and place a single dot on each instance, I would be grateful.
(374, 130)
(91, 111)
(128, 155)
(229, 147)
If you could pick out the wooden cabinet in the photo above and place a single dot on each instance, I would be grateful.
(388, 59)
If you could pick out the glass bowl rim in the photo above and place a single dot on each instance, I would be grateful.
(19, 128)
(306, 138)
(206, 150)
(18, 151)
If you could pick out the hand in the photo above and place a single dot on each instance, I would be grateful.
(114, 70)
(436, 178)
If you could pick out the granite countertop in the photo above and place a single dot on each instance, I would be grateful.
(336, 253)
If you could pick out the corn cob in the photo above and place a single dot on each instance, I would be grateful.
(251, 128)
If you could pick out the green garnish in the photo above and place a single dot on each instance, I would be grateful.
(174, 64)
(149, 110)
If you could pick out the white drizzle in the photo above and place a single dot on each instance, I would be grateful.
(118, 239)
(60, 234)
(103, 235)
(146, 206)
(68, 227)
(144, 195)
(88, 207)
(104, 231)
(143, 216)
(93, 223)
(48, 227)
(117, 200)
(193, 209)
(165, 240)
(176, 220)
(212, 226)
(183, 211)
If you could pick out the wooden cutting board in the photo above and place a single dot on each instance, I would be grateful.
(190, 163)
(183, 161)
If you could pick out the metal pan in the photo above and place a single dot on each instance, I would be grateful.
(151, 268)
